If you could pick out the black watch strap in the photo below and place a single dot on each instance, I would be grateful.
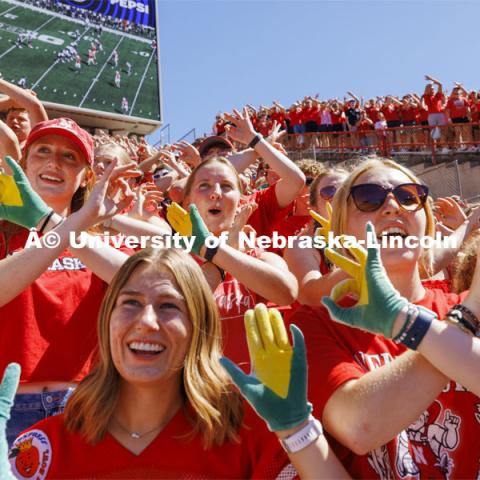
(255, 140)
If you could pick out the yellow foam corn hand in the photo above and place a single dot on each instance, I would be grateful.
(179, 219)
(325, 223)
(269, 347)
(9, 192)
(356, 269)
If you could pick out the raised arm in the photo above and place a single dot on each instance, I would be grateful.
(292, 179)
(25, 99)
(8, 145)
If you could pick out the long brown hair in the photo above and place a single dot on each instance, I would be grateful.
(218, 410)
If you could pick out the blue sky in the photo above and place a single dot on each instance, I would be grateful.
(217, 55)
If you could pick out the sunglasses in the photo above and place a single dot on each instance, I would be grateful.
(369, 197)
(309, 181)
(327, 192)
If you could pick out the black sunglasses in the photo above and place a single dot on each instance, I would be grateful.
(309, 181)
(369, 197)
(327, 192)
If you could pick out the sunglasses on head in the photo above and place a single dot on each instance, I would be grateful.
(327, 192)
(369, 197)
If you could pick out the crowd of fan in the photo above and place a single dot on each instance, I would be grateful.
(121, 352)
(367, 122)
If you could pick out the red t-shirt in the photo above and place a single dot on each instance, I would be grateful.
(48, 450)
(309, 114)
(279, 117)
(337, 117)
(409, 114)
(295, 117)
(268, 213)
(50, 327)
(233, 299)
(457, 107)
(391, 112)
(434, 103)
(431, 447)
(372, 113)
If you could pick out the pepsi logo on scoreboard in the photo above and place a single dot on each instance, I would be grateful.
(141, 12)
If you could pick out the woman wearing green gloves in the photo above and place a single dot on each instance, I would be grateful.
(393, 411)
(452, 346)
(49, 298)
(239, 278)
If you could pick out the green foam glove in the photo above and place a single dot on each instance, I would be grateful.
(31, 209)
(282, 408)
(188, 224)
(8, 388)
(379, 303)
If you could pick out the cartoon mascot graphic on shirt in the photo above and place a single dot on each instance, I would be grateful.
(30, 455)
(429, 437)
(27, 458)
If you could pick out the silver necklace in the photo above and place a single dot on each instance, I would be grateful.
(137, 435)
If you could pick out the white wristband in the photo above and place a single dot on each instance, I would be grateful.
(304, 437)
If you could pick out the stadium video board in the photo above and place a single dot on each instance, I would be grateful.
(98, 55)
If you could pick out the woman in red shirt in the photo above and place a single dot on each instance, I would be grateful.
(459, 114)
(158, 404)
(49, 296)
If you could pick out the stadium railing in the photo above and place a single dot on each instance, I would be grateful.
(418, 139)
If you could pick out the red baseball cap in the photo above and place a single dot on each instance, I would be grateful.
(65, 127)
(214, 141)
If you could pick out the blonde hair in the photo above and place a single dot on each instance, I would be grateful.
(217, 159)
(310, 167)
(342, 197)
(327, 171)
(464, 264)
(115, 150)
(218, 410)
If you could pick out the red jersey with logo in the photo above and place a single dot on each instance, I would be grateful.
(457, 107)
(50, 327)
(48, 450)
(442, 443)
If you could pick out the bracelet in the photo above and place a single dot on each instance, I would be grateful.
(413, 335)
(255, 140)
(457, 323)
(411, 316)
(47, 219)
(304, 437)
(210, 252)
(464, 316)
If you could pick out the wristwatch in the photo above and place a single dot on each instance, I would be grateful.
(304, 437)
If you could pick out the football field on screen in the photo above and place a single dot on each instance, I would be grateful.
(93, 85)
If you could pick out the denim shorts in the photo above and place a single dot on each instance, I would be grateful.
(30, 408)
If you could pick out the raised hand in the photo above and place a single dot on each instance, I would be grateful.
(100, 204)
(449, 212)
(188, 153)
(379, 303)
(277, 389)
(188, 224)
(8, 388)
(19, 203)
(242, 130)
